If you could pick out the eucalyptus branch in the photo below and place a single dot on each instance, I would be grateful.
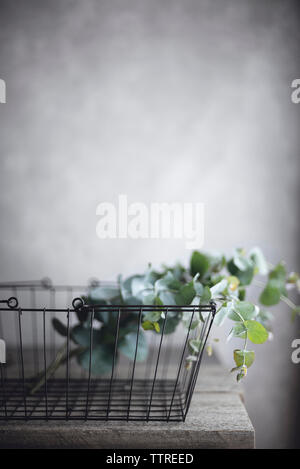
(208, 276)
(59, 360)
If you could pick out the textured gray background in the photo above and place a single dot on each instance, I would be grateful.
(163, 101)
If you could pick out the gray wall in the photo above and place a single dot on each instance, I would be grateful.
(163, 101)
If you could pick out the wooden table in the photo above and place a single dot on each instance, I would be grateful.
(217, 419)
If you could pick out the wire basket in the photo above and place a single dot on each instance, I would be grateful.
(157, 388)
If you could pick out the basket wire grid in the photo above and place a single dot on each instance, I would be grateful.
(158, 389)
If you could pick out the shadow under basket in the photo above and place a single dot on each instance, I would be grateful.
(44, 376)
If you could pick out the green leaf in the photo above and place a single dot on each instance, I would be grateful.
(81, 335)
(101, 360)
(245, 309)
(158, 301)
(178, 271)
(275, 287)
(170, 325)
(60, 327)
(256, 332)
(126, 287)
(185, 295)
(278, 273)
(150, 326)
(198, 287)
(199, 264)
(242, 357)
(196, 301)
(128, 346)
(242, 294)
(239, 331)
(244, 276)
(167, 298)
(132, 301)
(271, 293)
(206, 295)
(167, 282)
(241, 262)
(221, 315)
(142, 289)
(102, 315)
(125, 328)
(104, 293)
(259, 260)
(148, 298)
(218, 288)
(151, 275)
(147, 326)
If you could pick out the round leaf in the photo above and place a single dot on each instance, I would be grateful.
(81, 335)
(185, 295)
(222, 315)
(128, 346)
(206, 296)
(101, 360)
(168, 281)
(167, 298)
(199, 264)
(104, 293)
(271, 294)
(256, 332)
(242, 357)
(245, 309)
(218, 288)
(170, 325)
(259, 260)
(239, 331)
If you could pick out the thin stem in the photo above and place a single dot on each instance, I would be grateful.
(288, 302)
(51, 368)
(246, 338)
(60, 358)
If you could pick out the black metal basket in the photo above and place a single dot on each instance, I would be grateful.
(158, 389)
